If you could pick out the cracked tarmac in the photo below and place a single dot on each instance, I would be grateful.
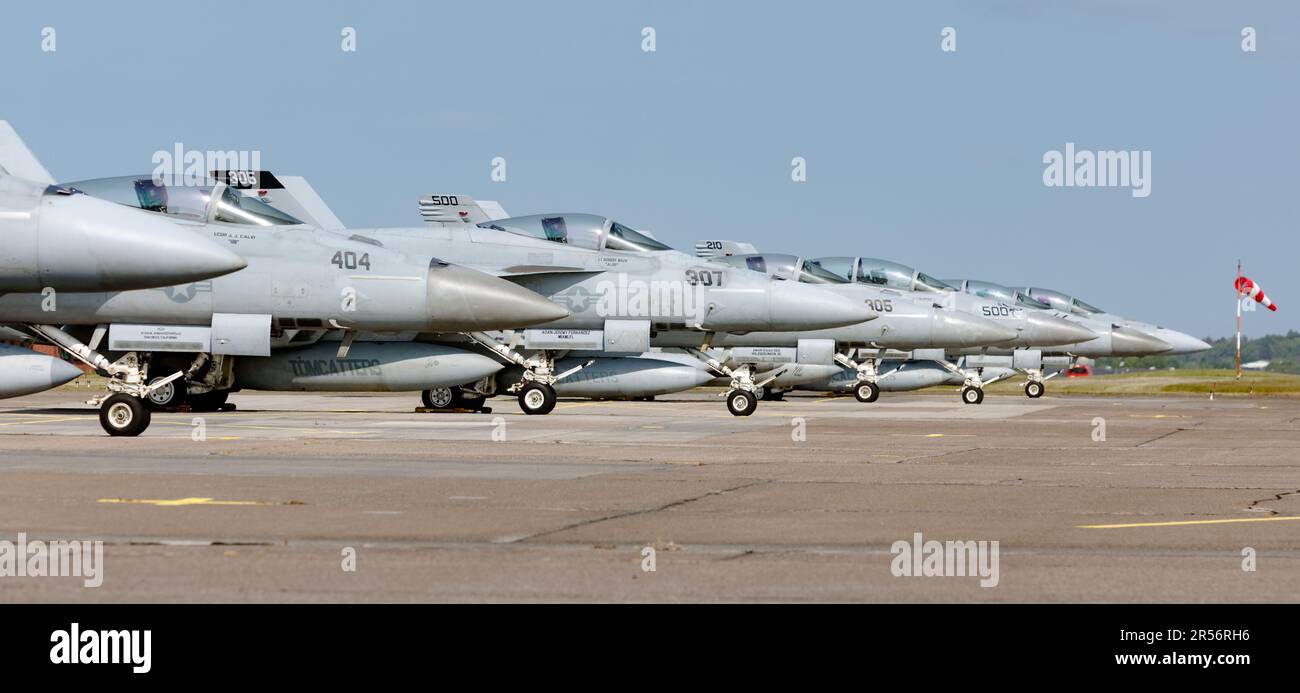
(438, 509)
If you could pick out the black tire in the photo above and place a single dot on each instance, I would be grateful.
(537, 399)
(212, 400)
(1034, 390)
(741, 403)
(866, 392)
(441, 398)
(972, 395)
(168, 396)
(124, 415)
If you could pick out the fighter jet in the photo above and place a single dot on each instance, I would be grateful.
(1116, 337)
(902, 292)
(1179, 343)
(626, 292)
(298, 283)
(53, 240)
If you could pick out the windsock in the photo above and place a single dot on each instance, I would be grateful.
(1251, 289)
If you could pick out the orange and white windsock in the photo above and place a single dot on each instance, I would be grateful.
(1251, 289)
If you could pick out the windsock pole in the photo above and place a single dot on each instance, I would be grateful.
(1237, 284)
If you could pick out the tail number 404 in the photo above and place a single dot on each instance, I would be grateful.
(350, 260)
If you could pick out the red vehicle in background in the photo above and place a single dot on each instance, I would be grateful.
(1079, 370)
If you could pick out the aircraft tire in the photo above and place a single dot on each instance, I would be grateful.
(741, 403)
(972, 395)
(124, 415)
(1034, 390)
(172, 394)
(441, 398)
(537, 399)
(866, 392)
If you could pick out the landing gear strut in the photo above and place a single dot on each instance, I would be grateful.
(742, 396)
(539, 371)
(866, 388)
(122, 413)
(1037, 384)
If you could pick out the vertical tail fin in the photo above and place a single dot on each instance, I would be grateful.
(717, 249)
(17, 160)
(457, 209)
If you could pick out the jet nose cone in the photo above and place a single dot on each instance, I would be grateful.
(964, 330)
(90, 244)
(464, 299)
(1126, 341)
(793, 307)
(1048, 330)
(1182, 342)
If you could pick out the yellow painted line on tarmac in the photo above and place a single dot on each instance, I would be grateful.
(185, 501)
(1182, 523)
(41, 421)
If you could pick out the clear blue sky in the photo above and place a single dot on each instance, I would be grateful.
(926, 157)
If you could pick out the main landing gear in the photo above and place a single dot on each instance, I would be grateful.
(743, 393)
(536, 390)
(122, 411)
(866, 388)
(1037, 382)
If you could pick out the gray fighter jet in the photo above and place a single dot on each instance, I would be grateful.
(889, 283)
(626, 292)
(974, 369)
(298, 283)
(53, 240)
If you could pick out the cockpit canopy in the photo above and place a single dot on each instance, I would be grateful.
(1005, 294)
(784, 266)
(869, 270)
(191, 202)
(588, 231)
(1060, 301)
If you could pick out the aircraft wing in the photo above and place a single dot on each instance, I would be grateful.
(17, 160)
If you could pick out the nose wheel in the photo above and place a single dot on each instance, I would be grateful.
(741, 402)
(866, 392)
(124, 415)
(1034, 390)
(972, 395)
(537, 398)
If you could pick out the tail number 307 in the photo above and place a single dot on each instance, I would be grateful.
(704, 277)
